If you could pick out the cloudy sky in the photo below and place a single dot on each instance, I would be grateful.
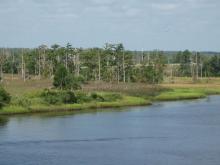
(139, 24)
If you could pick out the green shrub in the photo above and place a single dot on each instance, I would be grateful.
(83, 97)
(50, 96)
(33, 94)
(21, 101)
(68, 97)
(65, 80)
(97, 97)
(60, 76)
(5, 98)
(80, 79)
(58, 96)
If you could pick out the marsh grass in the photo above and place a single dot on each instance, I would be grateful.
(131, 89)
(26, 96)
(180, 94)
(37, 108)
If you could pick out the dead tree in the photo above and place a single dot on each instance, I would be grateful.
(23, 67)
(2, 61)
(99, 59)
(124, 78)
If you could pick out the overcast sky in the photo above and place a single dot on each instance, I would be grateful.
(147, 24)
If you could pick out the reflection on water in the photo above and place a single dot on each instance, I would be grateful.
(3, 121)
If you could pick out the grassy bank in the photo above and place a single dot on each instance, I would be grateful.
(186, 92)
(26, 99)
(180, 94)
(170, 94)
(39, 108)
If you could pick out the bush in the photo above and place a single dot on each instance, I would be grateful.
(83, 97)
(58, 97)
(21, 101)
(5, 98)
(72, 82)
(60, 77)
(50, 96)
(68, 97)
(65, 80)
(80, 79)
(97, 97)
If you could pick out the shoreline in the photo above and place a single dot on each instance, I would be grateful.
(127, 101)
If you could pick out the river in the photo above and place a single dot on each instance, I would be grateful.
(166, 133)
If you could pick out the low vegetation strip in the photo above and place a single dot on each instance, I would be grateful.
(70, 97)
(183, 93)
(54, 101)
(37, 108)
(169, 96)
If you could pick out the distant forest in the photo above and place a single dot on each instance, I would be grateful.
(112, 63)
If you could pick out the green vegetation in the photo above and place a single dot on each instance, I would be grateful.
(5, 98)
(64, 80)
(180, 94)
(58, 97)
(108, 96)
(67, 78)
(64, 99)
(92, 104)
(70, 66)
(111, 63)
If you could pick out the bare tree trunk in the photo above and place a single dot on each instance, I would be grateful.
(58, 58)
(23, 66)
(12, 66)
(197, 68)
(171, 72)
(201, 71)
(124, 78)
(77, 65)
(1, 68)
(95, 75)
(142, 56)
(1, 63)
(39, 64)
(51, 68)
(99, 67)
(192, 73)
(66, 61)
(44, 58)
(35, 69)
(118, 74)
(148, 59)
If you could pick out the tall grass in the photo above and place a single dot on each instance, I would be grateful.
(26, 96)
(125, 101)
(180, 94)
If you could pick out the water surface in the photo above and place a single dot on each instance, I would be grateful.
(167, 133)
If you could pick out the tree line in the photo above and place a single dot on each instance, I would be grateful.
(112, 63)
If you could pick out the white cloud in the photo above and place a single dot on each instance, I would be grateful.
(108, 19)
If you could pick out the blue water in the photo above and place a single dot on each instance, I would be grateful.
(167, 133)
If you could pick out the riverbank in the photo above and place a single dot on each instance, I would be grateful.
(170, 94)
(40, 108)
(26, 99)
(186, 94)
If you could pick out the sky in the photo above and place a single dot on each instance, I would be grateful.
(138, 24)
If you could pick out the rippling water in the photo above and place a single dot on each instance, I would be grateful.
(172, 133)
